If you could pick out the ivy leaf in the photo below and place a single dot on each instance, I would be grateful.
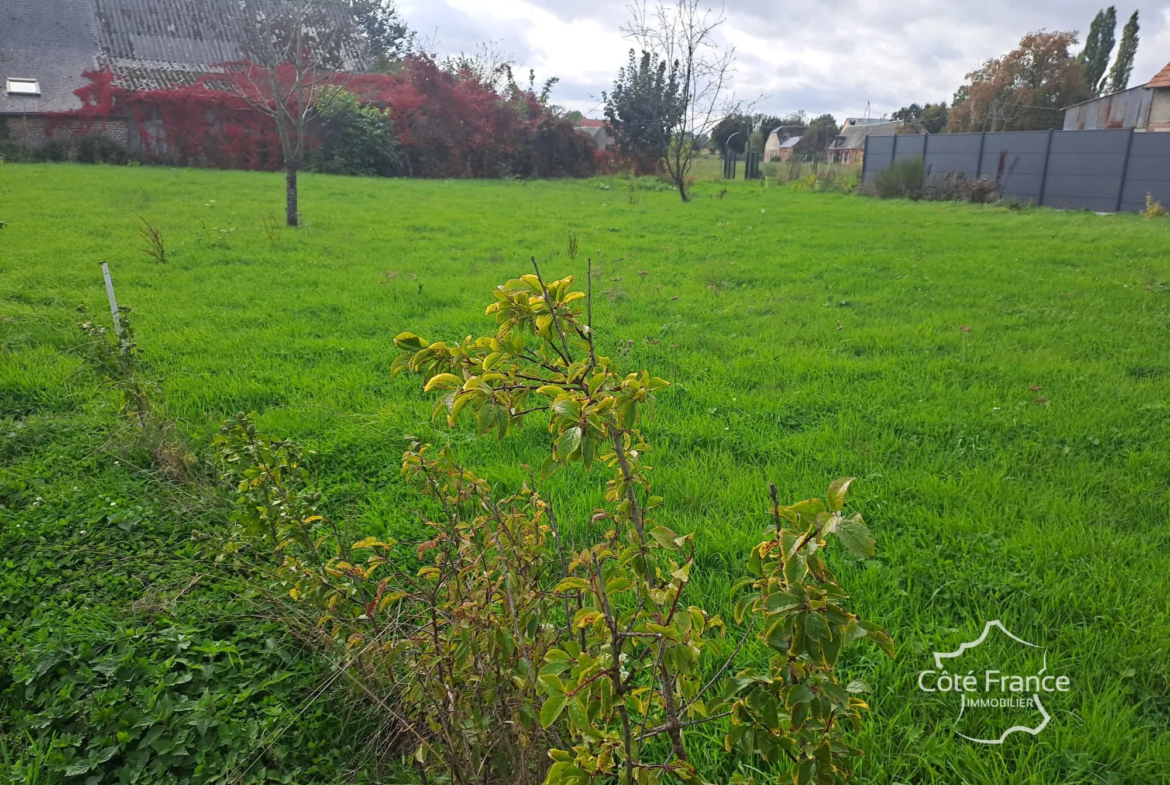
(552, 709)
(836, 495)
(855, 536)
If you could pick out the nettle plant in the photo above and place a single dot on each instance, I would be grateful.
(511, 659)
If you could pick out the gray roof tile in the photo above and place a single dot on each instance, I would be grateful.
(148, 44)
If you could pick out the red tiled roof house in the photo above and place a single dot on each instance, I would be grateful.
(1160, 102)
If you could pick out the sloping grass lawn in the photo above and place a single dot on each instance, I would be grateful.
(998, 380)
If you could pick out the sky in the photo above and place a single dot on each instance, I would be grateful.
(836, 56)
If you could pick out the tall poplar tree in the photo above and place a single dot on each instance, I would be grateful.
(1098, 46)
(1123, 65)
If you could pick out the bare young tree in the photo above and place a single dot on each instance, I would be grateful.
(683, 34)
(295, 50)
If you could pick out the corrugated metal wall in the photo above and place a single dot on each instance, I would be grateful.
(1127, 109)
(1077, 170)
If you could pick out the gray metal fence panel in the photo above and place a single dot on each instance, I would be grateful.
(879, 151)
(1085, 169)
(1094, 170)
(1148, 172)
(948, 153)
(1022, 156)
(909, 146)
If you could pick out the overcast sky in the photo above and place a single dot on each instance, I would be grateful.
(818, 55)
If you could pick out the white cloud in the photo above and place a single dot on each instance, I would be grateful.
(827, 56)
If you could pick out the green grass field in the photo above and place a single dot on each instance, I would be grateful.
(998, 380)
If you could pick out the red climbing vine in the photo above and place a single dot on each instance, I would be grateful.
(449, 124)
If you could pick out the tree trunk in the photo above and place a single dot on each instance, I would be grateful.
(290, 192)
(681, 182)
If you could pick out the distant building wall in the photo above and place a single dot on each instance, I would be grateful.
(1106, 171)
(1160, 110)
(772, 147)
(1127, 109)
(34, 130)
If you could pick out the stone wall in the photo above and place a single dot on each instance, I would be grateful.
(32, 131)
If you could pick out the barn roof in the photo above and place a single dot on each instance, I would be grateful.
(147, 44)
(853, 137)
(1161, 79)
(51, 43)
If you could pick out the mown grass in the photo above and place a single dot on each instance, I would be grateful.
(997, 379)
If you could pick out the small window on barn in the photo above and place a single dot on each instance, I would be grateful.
(23, 86)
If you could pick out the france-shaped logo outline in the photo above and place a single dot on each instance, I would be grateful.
(963, 647)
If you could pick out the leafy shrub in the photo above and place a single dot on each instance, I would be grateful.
(99, 149)
(506, 644)
(355, 139)
(52, 151)
(12, 151)
(955, 187)
(555, 149)
(902, 180)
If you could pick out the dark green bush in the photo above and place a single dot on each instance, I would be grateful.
(98, 149)
(12, 151)
(52, 151)
(903, 180)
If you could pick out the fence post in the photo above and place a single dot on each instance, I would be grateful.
(864, 159)
(1044, 173)
(893, 147)
(1124, 170)
(979, 163)
(925, 148)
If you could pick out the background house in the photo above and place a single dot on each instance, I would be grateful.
(1160, 103)
(597, 130)
(1142, 108)
(47, 45)
(849, 146)
(780, 142)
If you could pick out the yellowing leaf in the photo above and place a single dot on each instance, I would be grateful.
(572, 584)
(441, 381)
(586, 617)
(837, 491)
